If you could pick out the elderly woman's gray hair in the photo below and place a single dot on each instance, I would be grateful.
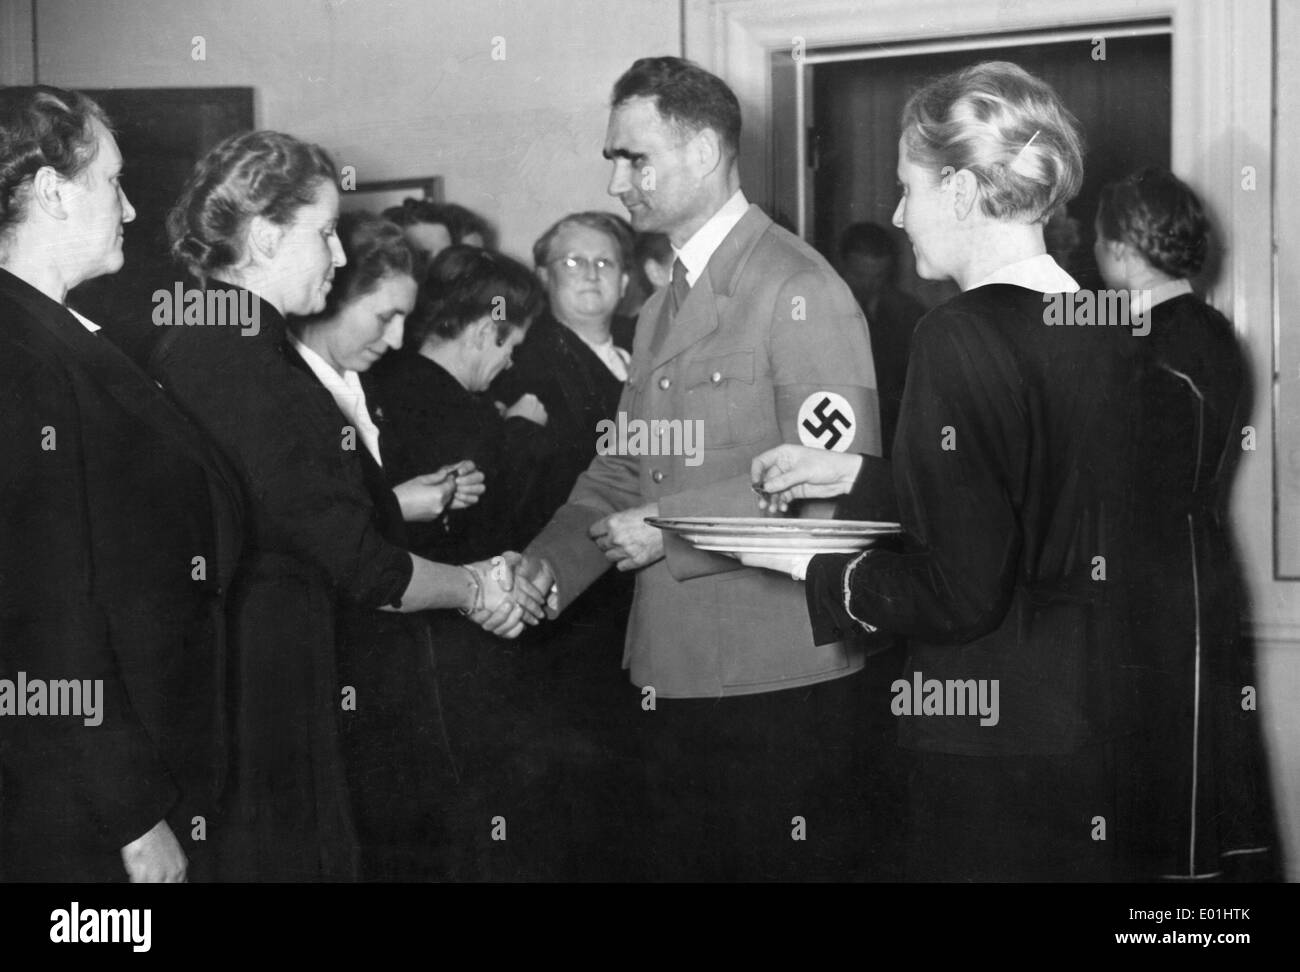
(41, 126)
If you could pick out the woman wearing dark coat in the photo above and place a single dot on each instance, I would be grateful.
(315, 537)
(395, 745)
(119, 530)
(1195, 784)
(1004, 474)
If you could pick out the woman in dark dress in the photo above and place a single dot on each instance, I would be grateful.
(398, 766)
(256, 224)
(1008, 433)
(1195, 781)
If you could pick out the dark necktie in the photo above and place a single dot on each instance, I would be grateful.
(679, 288)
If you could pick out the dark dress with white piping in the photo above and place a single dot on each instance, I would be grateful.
(1195, 800)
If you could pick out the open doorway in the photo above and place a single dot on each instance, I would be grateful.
(851, 101)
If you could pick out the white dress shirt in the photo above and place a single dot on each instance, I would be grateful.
(348, 395)
(696, 251)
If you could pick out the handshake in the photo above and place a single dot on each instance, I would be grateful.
(509, 592)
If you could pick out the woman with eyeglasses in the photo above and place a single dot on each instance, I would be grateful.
(575, 357)
(575, 361)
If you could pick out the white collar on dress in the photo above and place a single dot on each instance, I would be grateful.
(611, 355)
(1040, 273)
(347, 393)
(1144, 300)
(85, 321)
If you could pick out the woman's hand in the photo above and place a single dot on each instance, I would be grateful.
(530, 407)
(425, 497)
(507, 600)
(794, 565)
(469, 483)
(790, 472)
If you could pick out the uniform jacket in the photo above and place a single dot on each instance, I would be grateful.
(767, 326)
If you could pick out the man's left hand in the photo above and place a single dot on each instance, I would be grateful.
(627, 540)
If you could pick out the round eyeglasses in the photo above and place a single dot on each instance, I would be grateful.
(577, 266)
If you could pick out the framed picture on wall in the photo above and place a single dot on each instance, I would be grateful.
(375, 197)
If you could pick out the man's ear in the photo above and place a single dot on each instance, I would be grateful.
(51, 192)
(706, 148)
(264, 238)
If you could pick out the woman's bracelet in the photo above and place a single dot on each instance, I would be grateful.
(476, 585)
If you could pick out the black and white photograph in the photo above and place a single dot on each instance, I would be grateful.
(847, 443)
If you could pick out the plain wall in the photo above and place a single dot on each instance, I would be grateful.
(397, 89)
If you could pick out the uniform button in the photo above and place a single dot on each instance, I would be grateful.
(716, 377)
(665, 383)
(657, 476)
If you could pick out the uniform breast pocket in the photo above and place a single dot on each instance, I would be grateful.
(720, 391)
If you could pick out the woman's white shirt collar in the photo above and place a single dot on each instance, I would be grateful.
(348, 395)
(1040, 273)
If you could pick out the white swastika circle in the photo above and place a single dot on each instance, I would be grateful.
(826, 421)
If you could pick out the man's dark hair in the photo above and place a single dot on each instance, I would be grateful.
(465, 284)
(685, 94)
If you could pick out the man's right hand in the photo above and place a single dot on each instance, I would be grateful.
(538, 571)
(155, 858)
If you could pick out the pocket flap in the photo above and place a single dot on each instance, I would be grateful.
(736, 366)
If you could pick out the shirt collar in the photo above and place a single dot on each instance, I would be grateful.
(85, 321)
(347, 393)
(331, 379)
(1040, 273)
(696, 251)
(613, 357)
